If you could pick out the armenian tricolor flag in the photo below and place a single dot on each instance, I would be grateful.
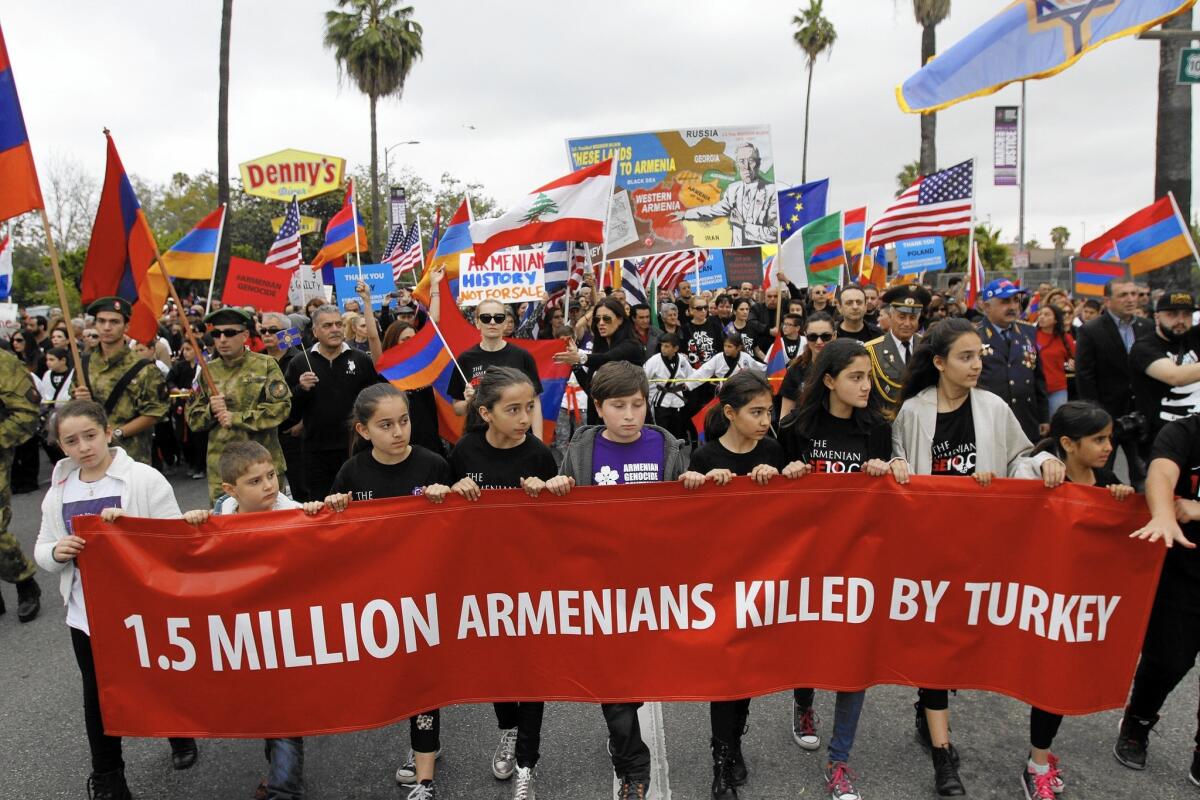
(552, 376)
(121, 253)
(195, 255)
(1153, 237)
(1091, 275)
(345, 233)
(454, 241)
(854, 235)
(19, 189)
(776, 363)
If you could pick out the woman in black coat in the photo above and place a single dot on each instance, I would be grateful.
(612, 340)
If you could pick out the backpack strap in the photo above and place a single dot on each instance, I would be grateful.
(121, 385)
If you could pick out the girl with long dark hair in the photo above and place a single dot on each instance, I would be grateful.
(613, 339)
(1056, 353)
(819, 330)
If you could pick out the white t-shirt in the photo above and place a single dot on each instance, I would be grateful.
(81, 498)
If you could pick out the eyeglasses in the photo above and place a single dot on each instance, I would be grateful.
(272, 331)
(492, 319)
(226, 333)
(700, 308)
(824, 337)
(91, 336)
(606, 318)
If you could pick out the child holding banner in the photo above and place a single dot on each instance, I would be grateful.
(623, 450)
(836, 428)
(498, 452)
(947, 426)
(96, 479)
(736, 431)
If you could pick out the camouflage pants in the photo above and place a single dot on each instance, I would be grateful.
(14, 565)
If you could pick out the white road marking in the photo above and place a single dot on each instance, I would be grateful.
(650, 718)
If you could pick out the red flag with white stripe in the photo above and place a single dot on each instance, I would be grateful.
(668, 269)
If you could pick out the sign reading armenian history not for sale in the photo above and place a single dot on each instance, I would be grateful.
(688, 188)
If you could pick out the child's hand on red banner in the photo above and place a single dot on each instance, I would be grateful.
(197, 516)
(533, 486)
(560, 485)
(436, 492)
(1120, 490)
(797, 469)
(719, 476)
(984, 478)
(762, 474)
(467, 489)
(1054, 472)
(338, 502)
(692, 479)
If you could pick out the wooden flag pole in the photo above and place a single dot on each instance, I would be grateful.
(62, 301)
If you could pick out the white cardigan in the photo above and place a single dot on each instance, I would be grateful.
(144, 493)
(1000, 444)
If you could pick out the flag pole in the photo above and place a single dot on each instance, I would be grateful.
(971, 233)
(62, 300)
(450, 352)
(212, 281)
(188, 332)
(354, 225)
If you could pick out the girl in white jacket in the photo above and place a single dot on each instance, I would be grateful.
(947, 426)
(96, 479)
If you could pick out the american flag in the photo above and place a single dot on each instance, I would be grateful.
(285, 250)
(939, 204)
(405, 255)
(668, 269)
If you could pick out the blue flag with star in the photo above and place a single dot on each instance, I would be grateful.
(800, 205)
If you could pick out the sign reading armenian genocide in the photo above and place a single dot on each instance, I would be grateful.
(281, 175)
(688, 188)
(192, 626)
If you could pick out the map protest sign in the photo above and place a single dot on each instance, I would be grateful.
(688, 188)
(510, 276)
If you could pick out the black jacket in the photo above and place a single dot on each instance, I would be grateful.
(1102, 363)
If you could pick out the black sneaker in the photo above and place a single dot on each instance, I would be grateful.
(945, 774)
(1037, 786)
(1194, 772)
(804, 727)
(1133, 740)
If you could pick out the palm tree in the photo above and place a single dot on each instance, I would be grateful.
(1059, 236)
(223, 128)
(929, 13)
(1173, 147)
(814, 35)
(376, 44)
(907, 176)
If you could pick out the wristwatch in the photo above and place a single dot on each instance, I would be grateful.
(118, 434)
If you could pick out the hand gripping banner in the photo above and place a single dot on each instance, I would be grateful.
(285, 625)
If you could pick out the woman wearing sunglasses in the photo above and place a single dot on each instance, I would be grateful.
(613, 339)
(818, 332)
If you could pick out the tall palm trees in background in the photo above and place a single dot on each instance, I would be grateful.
(814, 35)
(929, 14)
(375, 44)
(223, 128)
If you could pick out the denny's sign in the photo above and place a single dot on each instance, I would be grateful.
(280, 175)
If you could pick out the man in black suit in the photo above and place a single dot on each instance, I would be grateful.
(1102, 371)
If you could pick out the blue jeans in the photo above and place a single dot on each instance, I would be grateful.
(285, 776)
(846, 710)
(1056, 399)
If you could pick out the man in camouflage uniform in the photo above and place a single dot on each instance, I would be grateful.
(135, 404)
(18, 421)
(254, 399)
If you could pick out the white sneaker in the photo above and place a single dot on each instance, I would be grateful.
(523, 790)
(804, 727)
(406, 773)
(504, 762)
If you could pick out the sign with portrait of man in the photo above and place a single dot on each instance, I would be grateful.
(685, 189)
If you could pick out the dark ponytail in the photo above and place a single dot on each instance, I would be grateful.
(922, 373)
(491, 386)
(364, 408)
(736, 392)
(1074, 420)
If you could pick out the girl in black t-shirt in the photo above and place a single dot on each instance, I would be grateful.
(387, 465)
(1081, 436)
(819, 331)
(736, 430)
(837, 428)
(499, 452)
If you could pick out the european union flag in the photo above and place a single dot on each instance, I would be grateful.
(800, 205)
(289, 338)
(1028, 39)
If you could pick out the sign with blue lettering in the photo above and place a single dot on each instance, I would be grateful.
(712, 274)
(927, 254)
(377, 276)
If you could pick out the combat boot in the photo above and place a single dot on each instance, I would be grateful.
(108, 786)
(722, 784)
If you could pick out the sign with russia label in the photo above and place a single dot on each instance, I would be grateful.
(927, 254)
(510, 276)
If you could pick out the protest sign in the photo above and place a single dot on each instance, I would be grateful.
(377, 276)
(250, 283)
(305, 285)
(193, 626)
(926, 254)
(10, 319)
(712, 273)
(744, 264)
(510, 276)
(686, 189)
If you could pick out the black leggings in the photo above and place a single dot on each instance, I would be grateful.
(105, 749)
(1043, 727)
(527, 719)
(425, 731)
(1168, 654)
(727, 719)
(934, 699)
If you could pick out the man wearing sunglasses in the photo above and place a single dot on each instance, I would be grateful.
(892, 352)
(252, 400)
(493, 351)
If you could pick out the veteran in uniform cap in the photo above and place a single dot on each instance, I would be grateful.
(132, 391)
(1010, 358)
(892, 352)
(18, 421)
(254, 398)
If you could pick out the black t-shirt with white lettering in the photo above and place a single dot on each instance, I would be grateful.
(701, 342)
(837, 445)
(475, 362)
(1160, 402)
(953, 449)
(494, 468)
(714, 455)
(1180, 442)
(367, 479)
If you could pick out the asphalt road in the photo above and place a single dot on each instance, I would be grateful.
(43, 751)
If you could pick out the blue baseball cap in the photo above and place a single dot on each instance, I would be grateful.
(1000, 289)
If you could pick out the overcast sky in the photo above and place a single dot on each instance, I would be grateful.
(530, 73)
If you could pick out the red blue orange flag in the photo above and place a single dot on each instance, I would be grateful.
(194, 256)
(19, 189)
(776, 363)
(345, 233)
(1153, 237)
(453, 242)
(553, 377)
(121, 252)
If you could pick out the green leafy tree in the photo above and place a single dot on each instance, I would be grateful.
(1059, 235)
(814, 35)
(992, 252)
(375, 44)
(907, 176)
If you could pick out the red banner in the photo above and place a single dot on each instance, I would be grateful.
(720, 593)
(249, 283)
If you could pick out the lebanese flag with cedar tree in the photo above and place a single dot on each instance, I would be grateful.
(572, 208)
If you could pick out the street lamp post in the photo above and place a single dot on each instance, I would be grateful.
(387, 176)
